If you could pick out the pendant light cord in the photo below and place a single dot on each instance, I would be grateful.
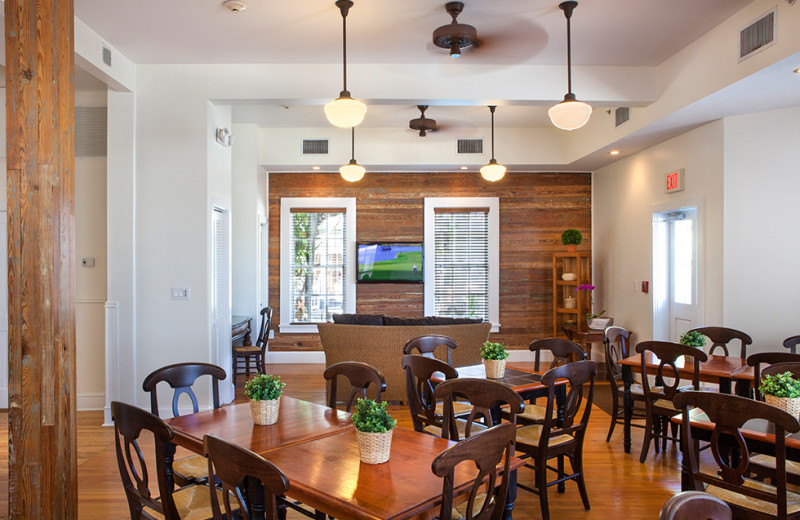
(491, 109)
(344, 48)
(569, 52)
(353, 143)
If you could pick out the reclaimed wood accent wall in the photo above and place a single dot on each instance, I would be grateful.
(41, 251)
(534, 209)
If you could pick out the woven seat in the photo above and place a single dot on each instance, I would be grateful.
(531, 434)
(459, 408)
(242, 349)
(460, 511)
(192, 502)
(768, 461)
(461, 425)
(195, 466)
(242, 355)
(754, 504)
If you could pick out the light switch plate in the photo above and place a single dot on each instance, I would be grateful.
(180, 293)
(87, 262)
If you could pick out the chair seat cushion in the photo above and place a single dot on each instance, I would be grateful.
(461, 426)
(193, 466)
(193, 503)
(754, 504)
(531, 435)
(250, 349)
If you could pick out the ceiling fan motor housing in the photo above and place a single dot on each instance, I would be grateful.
(423, 124)
(461, 34)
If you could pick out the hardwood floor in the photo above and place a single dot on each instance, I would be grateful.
(619, 487)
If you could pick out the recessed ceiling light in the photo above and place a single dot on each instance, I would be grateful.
(797, 71)
(465, 167)
(315, 167)
(614, 152)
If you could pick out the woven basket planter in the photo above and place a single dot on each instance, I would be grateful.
(495, 368)
(374, 448)
(789, 404)
(265, 412)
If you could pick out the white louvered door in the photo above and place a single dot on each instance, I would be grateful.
(221, 300)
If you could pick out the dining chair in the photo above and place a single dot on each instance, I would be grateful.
(181, 377)
(767, 358)
(426, 413)
(615, 344)
(487, 450)
(694, 505)
(542, 442)
(484, 397)
(721, 336)
(427, 345)
(242, 354)
(658, 397)
(236, 468)
(729, 482)
(192, 500)
(791, 343)
(359, 375)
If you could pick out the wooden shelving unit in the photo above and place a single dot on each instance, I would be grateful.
(580, 264)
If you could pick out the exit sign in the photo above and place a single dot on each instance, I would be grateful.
(674, 181)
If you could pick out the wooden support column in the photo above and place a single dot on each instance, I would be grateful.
(41, 271)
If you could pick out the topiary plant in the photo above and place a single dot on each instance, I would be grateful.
(491, 350)
(372, 417)
(780, 385)
(693, 339)
(571, 237)
(264, 387)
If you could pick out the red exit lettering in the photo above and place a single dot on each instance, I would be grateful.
(672, 181)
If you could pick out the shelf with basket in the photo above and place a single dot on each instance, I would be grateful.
(570, 305)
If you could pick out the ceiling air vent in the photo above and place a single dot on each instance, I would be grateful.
(90, 131)
(106, 55)
(315, 146)
(469, 146)
(757, 36)
(622, 115)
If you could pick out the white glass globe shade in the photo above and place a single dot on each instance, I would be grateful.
(352, 172)
(493, 172)
(570, 114)
(345, 112)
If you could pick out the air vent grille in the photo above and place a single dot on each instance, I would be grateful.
(622, 115)
(107, 56)
(315, 146)
(90, 131)
(469, 146)
(757, 36)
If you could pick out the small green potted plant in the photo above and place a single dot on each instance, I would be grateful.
(693, 338)
(374, 428)
(782, 391)
(264, 392)
(571, 238)
(494, 359)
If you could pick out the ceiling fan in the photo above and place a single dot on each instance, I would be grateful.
(423, 124)
(455, 36)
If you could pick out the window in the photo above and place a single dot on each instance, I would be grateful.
(317, 264)
(462, 258)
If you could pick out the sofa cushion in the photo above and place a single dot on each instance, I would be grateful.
(358, 319)
(428, 320)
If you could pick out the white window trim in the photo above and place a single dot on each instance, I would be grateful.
(289, 203)
(493, 203)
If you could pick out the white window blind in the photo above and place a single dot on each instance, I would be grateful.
(461, 262)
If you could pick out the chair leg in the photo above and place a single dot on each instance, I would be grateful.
(577, 467)
(561, 485)
(648, 434)
(614, 419)
(664, 432)
(541, 484)
(674, 428)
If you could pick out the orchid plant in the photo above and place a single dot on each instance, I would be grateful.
(589, 288)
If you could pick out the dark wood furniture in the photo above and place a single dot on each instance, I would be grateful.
(721, 336)
(563, 351)
(753, 375)
(359, 375)
(727, 416)
(562, 439)
(486, 450)
(236, 469)
(242, 355)
(791, 343)
(485, 397)
(181, 377)
(616, 346)
(694, 505)
(427, 345)
(420, 370)
(583, 337)
(658, 398)
(240, 329)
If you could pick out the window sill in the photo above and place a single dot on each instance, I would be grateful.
(495, 328)
(306, 328)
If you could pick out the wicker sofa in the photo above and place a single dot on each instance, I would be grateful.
(382, 347)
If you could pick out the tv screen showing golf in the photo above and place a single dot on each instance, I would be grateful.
(389, 262)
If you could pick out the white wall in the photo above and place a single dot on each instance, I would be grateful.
(762, 243)
(246, 195)
(624, 194)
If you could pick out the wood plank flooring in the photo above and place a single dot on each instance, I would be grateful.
(619, 487)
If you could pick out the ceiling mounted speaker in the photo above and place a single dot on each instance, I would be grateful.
(422, 123)
(455, 36)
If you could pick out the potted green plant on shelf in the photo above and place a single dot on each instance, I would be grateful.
(782, 391)
(693, 338)
(571, 238)
(595, 321)
(264, 392)
(494, 359)
(374, 428)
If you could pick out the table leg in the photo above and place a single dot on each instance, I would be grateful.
(512, 495)
(627, 404)
(724, 385)
(588, 347)
(169, 457)
(684, 464)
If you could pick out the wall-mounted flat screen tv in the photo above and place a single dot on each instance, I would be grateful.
(389, 262)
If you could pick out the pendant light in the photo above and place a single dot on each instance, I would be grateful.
(493, 172)
(352, 171)
(570, 114)
(344, 111)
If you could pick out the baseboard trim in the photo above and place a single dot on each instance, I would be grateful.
(86, 402)
(295, 357)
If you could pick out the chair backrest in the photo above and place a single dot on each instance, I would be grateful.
(668, 354)
(487, 450)
(721, 336)
(579, 375)
(694, 505)
(360, 375)
(768, 358)
(791, 343)
(181, 377)
(615, 341)
(231, 464)
(421, 401)
(263, 331)
(483, 394)
(129, 422)
(426, 345)
(562, 350)
(729, 413)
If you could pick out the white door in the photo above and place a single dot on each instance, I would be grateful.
(675, 273)
(221, 300)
